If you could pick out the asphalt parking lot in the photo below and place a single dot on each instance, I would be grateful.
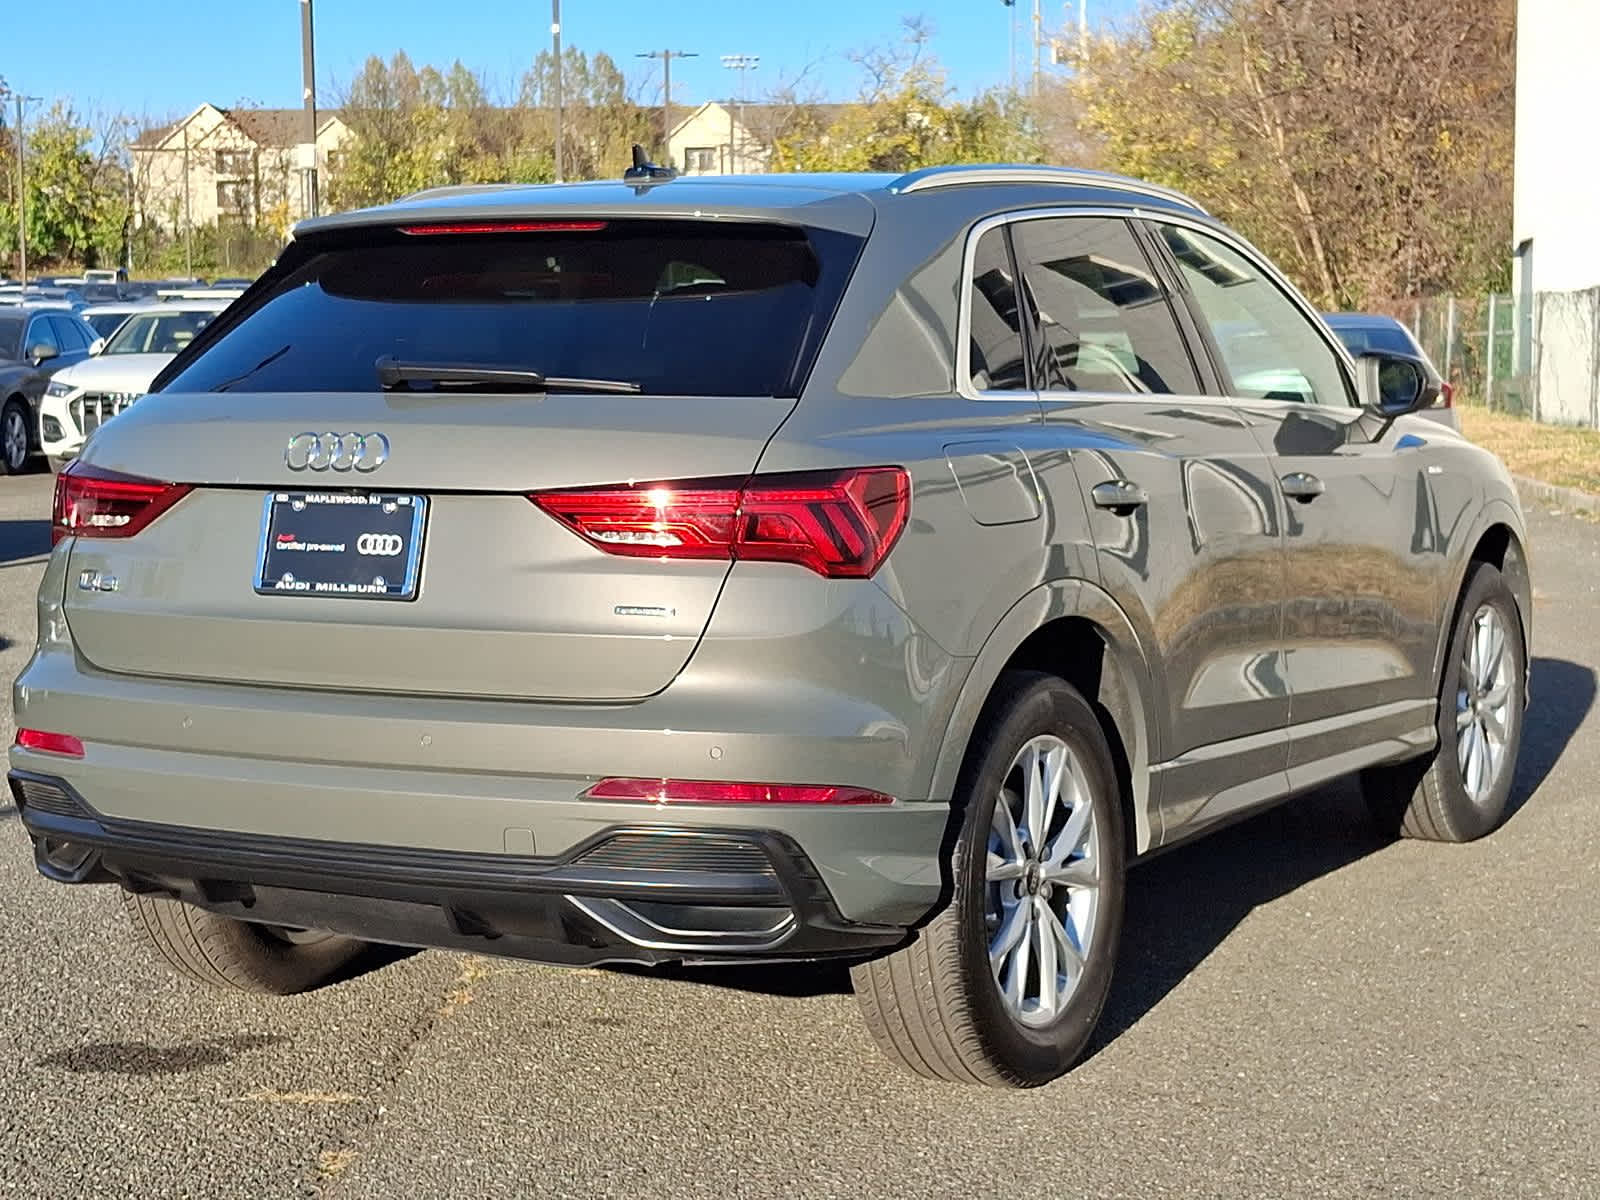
(1301, 1010)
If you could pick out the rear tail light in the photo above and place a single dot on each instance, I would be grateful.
(1447, 396)
(704, 791)
(50, 743)
(841, 524)
(91, 502)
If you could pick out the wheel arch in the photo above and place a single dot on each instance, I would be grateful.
(1075, 631)
(1497, 540)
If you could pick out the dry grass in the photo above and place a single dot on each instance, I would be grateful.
(333, 1163)
(1557, 454)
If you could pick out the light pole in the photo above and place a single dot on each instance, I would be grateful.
(666, 57)
(555, 44)
(308, 134)
(22, 190)
(744, 64)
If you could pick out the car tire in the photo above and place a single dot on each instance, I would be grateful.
(238, 955)
(15, 441)
(937, 1006)
(1460, 790)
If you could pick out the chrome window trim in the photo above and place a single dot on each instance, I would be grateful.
(1232, 240)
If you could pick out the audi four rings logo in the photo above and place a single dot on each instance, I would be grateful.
(336, 452)
(380, 545)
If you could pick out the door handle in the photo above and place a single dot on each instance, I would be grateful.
(1120, 496)
(1298, 485)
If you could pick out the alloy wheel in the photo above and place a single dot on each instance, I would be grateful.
(1484, 709)
(1042, 880)
(14, 439)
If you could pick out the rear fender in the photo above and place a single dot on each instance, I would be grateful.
(1126, 690)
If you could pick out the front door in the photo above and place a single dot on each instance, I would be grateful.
(1180, 504)
(1363, 550)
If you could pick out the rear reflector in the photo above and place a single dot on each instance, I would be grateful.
(701, 791)
(50, 743)
(505, 227)
(91, 502)
(841, 524)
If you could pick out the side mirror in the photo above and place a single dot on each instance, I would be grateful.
(97, 345)
(1395, 384)
(43, 352)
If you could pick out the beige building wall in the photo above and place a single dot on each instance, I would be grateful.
(711, 141)
(229, 175)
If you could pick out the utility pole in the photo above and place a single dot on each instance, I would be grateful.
(666, 57)
(1011, 22)
(744, 64)
(188, 224)
(555, 45)
(308, 94)
(22, 191)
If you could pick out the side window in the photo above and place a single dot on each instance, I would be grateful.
(40, 333)
(995, 348)
(1106, 321)
(67, 336)
(1270, 348)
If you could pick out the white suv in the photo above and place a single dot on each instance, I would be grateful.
(82, 397)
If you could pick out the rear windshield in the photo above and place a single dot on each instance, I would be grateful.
(676, 307)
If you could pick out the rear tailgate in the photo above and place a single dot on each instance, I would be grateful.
(507, 601)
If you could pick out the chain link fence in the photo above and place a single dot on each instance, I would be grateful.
(1539, 360)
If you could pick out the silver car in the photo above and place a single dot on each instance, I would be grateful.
(784, 568)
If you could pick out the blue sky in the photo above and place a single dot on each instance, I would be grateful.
(158, 58)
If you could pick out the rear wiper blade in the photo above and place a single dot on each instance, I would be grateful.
(396, 376)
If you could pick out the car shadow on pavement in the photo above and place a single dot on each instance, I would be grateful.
(23, 540)
(1560, 695)
(1182, 905)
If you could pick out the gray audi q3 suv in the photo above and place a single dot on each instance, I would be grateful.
(773, 568)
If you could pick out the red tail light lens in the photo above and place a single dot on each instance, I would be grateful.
(841, 524)
(505, 227)
(50, 743)
(1447, 396)
(704, 791)
(91, 502)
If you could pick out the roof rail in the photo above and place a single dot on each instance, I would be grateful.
(937, 177)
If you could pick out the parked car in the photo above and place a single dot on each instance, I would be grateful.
(36, 341)
(83, 397)
(1361, 332)
(784, 568)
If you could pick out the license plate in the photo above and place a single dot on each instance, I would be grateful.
(366, 546)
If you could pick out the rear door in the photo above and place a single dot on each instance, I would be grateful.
(696, 337)
(1365, 546)
(1180, 504)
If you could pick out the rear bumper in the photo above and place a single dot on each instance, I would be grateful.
(643, 893)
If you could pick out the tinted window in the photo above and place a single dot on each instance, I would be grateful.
(157, 333)
(995, 346)
(105, 324)
(68, 335)
(40, 334)
(1271, 349)
(1391, 339)
(677, 307)
(1106, 322)
(10, 338)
